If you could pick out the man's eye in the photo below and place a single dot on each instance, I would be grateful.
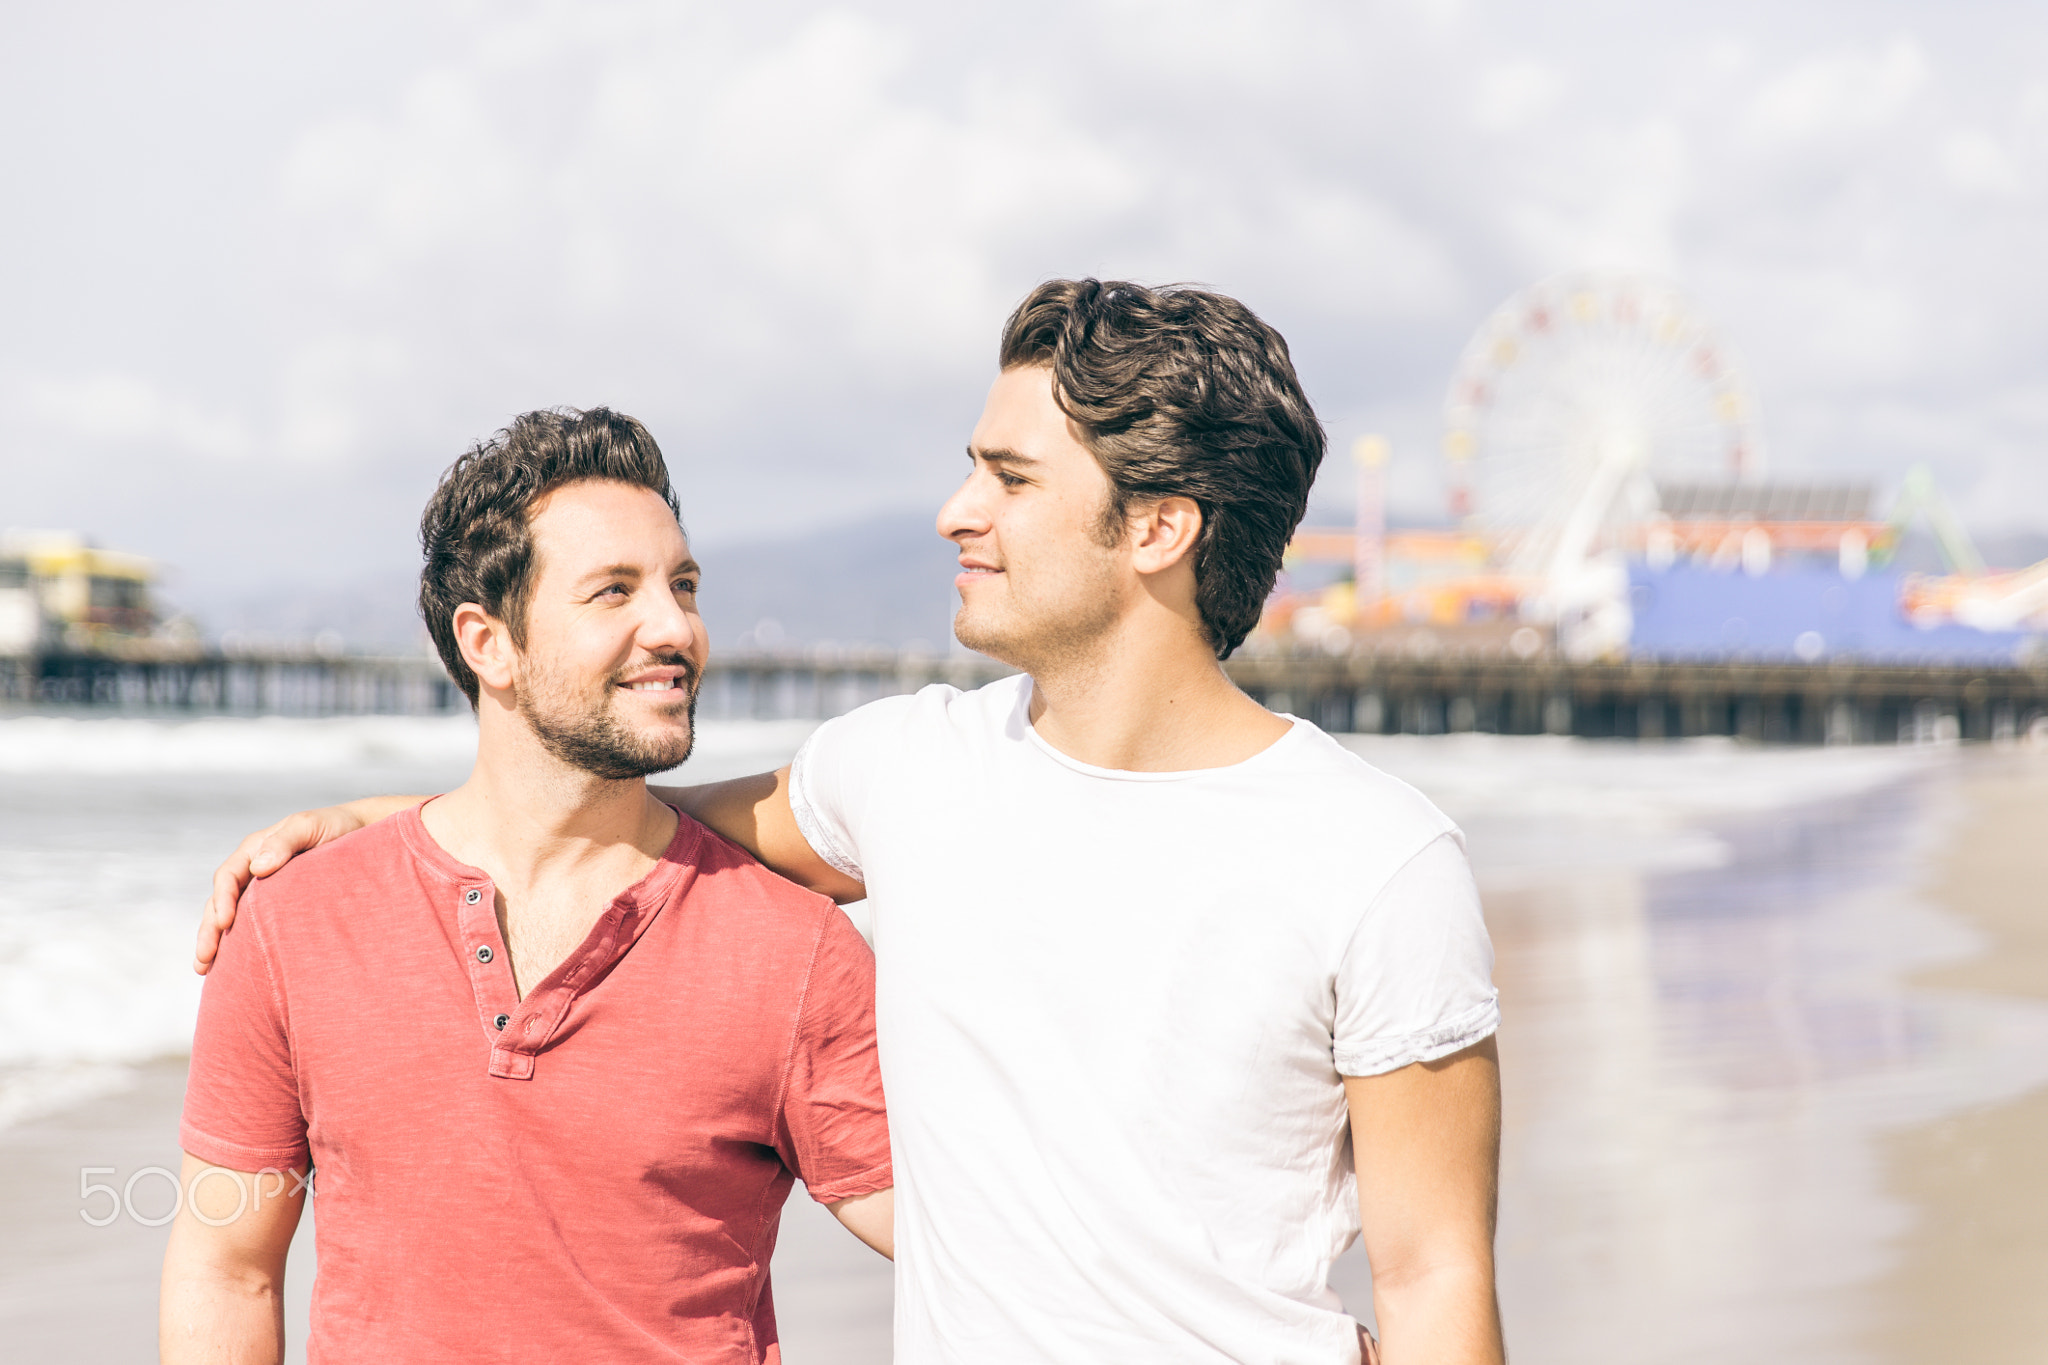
(615, 590)
(686, 586)
(1008, 480)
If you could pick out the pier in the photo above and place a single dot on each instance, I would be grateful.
(280, 683)
(1828, 702)
(1833, 702)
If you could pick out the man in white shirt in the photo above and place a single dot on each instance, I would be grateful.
(1156, 968)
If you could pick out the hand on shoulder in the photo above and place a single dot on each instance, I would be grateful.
(267, 850)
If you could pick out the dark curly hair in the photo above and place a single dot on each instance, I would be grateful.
(476, 535)
(1180, 392)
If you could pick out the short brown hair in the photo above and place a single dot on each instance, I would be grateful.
(1180, 392)
(476, 536)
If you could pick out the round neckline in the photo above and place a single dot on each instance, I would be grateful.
(1065, 760)
(679, 852)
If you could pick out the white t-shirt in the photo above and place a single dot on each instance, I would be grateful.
(1115, 1010)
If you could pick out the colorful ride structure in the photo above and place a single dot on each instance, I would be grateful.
(1609, 499)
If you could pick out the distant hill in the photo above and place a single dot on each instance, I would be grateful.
(881, 580)
(884, 580)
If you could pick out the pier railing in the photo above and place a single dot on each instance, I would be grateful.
(289, 683)
(1834, 702)
(1829, 702)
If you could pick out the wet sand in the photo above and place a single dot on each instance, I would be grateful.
(1790, 1106)
(1971, 1281)
(70, 1291)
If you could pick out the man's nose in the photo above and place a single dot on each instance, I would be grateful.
(962, 514)
(668, 626)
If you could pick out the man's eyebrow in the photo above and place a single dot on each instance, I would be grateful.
(612, 571)
(1000, 455)
(633, 571)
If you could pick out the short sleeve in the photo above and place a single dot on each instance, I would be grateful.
(1416, 980)
(834, 1131)
(242, 1106)
(830, 776)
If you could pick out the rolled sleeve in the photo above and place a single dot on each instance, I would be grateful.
(813, 791)
(1416, 980)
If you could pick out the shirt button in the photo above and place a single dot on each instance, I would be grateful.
(483, 952)
(472, 896)
(501, 1021)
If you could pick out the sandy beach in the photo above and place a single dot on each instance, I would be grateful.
(1969, 1280)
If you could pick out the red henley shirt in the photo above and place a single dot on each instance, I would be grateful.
(594, 1173)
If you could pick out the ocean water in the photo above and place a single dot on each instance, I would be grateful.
(109, 832)
(110, 828)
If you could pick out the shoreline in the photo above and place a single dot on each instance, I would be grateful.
(1969, 1270)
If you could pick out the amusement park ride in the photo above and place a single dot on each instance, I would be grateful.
(1607, 477)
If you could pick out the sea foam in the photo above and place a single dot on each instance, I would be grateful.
(110, 829)
(109, 832)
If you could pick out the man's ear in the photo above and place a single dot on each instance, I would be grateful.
(486, 645)
(1164, 533)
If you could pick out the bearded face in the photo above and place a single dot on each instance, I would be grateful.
(587, 728)
(606, 677)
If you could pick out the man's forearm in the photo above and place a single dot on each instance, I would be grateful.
(1446, 1316)
(730, 807)
(215, 1317)
(371, 809)
(755, 813)
(870, 1217)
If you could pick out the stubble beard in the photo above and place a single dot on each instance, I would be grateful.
(592, 739)
(1045, 638)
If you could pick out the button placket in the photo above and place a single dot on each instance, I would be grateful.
(514, 1050)
(490, 980)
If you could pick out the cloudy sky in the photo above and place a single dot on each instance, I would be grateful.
(268, 268)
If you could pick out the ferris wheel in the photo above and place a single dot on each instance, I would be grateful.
(1573, 399)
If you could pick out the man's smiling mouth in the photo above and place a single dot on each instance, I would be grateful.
(661, 678)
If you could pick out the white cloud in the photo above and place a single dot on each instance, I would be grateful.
(1842, 93)
(786, 235)
(328, 392)
(124, 410)
(1976, 162)
(1513, 94)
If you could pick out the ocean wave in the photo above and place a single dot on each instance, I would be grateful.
(1536, 803)
(96, 746)
(98, 906)
(31, 1092)
(229, 744)
(101, 880)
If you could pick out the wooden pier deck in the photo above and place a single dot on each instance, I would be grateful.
(281, 683)
(1833, 702)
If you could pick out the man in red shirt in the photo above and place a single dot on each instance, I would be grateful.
(556, 1052)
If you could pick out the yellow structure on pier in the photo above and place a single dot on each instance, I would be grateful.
(58, 591)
